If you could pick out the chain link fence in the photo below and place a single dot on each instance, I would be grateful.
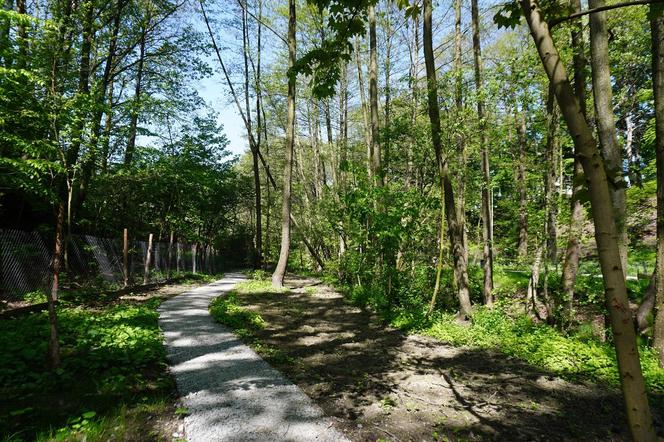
(90, 261)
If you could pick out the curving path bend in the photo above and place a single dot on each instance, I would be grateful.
(231, 393)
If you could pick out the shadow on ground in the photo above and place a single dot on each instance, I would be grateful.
(379, 383)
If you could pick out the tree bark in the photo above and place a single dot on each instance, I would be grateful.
(606, 127)
(258, 233)
(365, 108)
(280, 270)
(631, 376)
(148, 259)
(52, 296)
(454, 229)
(522, 243)
(373, 100)
(572, 251)
(657, 31)
(133, 123)
(486, 212)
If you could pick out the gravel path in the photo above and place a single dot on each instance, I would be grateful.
(230, 392)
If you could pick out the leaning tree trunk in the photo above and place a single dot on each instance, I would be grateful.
(657, 29)
(631, 377)
(454, 231)
(280, 270)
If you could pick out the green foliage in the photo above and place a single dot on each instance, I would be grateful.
(573, 357)
(226, 310)
(110, 356)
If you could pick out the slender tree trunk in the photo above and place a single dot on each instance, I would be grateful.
(169, 266)
(148, 259)
(125, 256)
(373, 99)
(454, 229)
(522, 244)
(439, 263)
(52, 296)
(606, 128)
(280, 270)
(460, 140)
(572, 251)
(258, 234)
(657, 30)
(365, 107)
(133, 122)
(388, 90)
(414, 72)
(633, 385)
(552, 155)
(533, 282)
(487, 213)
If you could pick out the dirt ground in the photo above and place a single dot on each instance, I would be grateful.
(381, 384)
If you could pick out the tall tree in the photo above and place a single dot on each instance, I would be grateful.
(486, 210)
(280, 270)
(631, 376)
(657, 30)
(454, 229)
(606, 128)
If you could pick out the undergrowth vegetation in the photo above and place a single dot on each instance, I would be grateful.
(113, 380)
(227, 310)
(577, 353)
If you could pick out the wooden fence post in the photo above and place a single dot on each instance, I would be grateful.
(125, 257)
(146, 270)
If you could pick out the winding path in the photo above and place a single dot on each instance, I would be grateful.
(231, 393)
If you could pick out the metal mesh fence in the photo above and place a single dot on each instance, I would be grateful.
(26, 258)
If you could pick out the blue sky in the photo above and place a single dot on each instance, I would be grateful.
(215, 93)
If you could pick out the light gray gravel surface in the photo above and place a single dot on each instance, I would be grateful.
(231, 393)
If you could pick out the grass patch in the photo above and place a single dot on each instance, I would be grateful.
(113, 372)
(258, 286)
(245, 323)
(573, 357)
(226, 310)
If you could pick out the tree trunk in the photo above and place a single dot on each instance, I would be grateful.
(365, 107)
(657, 30)
(148, 259)
(487, 213)
(606, 128)
(125, 256)
(572, 251)
(631, 376)
(280, 270)
(522, 243)
(258, 233)
(52, 296)
(551, 197)
(533, 283)
(135, 106)
(454, 229)
(373, 99)
(169, 266)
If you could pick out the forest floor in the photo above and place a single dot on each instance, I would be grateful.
(114, 383)
(379, 383)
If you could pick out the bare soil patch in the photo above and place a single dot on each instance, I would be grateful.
(381, 384)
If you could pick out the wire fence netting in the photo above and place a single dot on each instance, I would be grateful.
(89, 261)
